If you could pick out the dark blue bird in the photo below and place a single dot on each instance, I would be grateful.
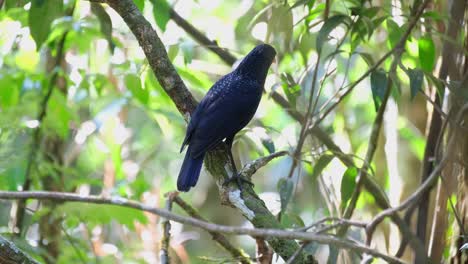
(227, 107)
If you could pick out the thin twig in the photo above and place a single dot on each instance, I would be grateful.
(249, 169)
(166, 228)
(341, 221)
(218, 237)
(292, 259)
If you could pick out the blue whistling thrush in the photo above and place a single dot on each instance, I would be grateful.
(227, 107)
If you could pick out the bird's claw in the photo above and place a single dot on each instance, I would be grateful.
(239, 180)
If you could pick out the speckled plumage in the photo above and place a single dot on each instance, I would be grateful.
(227, 107)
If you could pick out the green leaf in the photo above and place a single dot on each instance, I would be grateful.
(292, 92)
(95, 214)
(105, 22)
(9, 91)
(327, 27)
(41, 15)
(187, 50)
(133, 84)
(59, 114)
(394, 33)
(314, 13)
(378, 21)
(321, 164)
(13, 177)
(291, 88)
(116, 156)
(197, 79)
(369, 25)
(303, 2)
(371, 12)
(173, 51)
(15, 3)
(416, 78)
(378, 85)
(348, 183)
(140, 4)
(439, 84)
(367, 58)
(427, 53)
(161, 12)
(285, 189)
(268, 143)
(433, 15)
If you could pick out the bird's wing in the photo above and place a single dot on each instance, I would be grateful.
(222, 117)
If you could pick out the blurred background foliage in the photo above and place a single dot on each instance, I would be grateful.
(96, 120)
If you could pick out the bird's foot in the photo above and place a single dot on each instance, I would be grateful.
(239, 180)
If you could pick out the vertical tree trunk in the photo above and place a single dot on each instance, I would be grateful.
(457, 169)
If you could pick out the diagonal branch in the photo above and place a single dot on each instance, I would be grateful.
(10, 254)
(218, 237)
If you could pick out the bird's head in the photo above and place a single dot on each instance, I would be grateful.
(263, 51)
(257, 62)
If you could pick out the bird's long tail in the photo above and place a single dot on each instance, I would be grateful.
(188, 175)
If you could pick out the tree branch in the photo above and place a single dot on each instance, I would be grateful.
(10, 254)
(270, 234)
